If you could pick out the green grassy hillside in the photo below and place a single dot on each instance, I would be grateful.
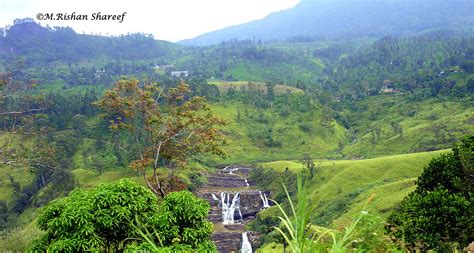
(340, 188)
(276, 71)
(266, 135)
(388, 124)
(224, 87)
(381, 125)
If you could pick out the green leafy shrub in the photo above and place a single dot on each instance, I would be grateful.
(183, 219)
(439, 214)
(182, 227)
(95, 219)
(112, 216)
(306, 127)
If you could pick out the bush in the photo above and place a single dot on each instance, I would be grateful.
(439, 214)
(183, 219)
(306, 127)
(182, 226)
(111, 216)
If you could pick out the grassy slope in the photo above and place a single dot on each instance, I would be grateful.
(20, 175)
(271, 247)
(342, 187)
(224, 86)
(419, 121)
(242, 148)
(278, 71)
(18, 239)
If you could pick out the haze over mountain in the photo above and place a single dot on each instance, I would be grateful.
(349, 18)
(38, 45)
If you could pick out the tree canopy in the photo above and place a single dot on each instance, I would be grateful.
(168, 126)
(110, 217)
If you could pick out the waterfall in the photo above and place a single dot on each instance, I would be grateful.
(240, 214)
(246, 182)
(214, 197)
(246, 246)
(231, 170)
(264, 200)
(228, 207)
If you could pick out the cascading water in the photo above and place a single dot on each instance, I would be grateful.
(228, 207)
(264, 200)
(247, 183)
(246, 246)
(214, 197)
(231, 170)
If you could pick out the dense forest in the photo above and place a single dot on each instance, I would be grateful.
(324, 123)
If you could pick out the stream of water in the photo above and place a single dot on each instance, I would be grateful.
(234, 202)
(246, 246)
(264, 200)
(228, 207)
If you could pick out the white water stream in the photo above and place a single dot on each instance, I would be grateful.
(231, 170)
(246, 246)
(229, 207)
(264, 200)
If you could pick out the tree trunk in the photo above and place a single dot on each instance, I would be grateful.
(148, 183)
(158, 183)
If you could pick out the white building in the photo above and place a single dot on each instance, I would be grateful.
(180, 73)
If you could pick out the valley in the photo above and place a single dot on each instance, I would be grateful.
(309, 130)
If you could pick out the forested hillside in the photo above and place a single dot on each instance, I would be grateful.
(36, 45)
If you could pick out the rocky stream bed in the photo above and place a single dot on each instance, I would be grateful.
(234, 202)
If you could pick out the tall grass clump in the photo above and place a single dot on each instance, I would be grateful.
(300, 235)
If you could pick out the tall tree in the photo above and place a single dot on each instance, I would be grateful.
(169, 126)
(327, 120)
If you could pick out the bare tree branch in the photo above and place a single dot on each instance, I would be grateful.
(22, 112)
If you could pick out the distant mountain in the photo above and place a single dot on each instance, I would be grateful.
(349, 18)
(38, 45)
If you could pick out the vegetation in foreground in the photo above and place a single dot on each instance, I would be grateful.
(338, 189)
(113, 216)
(435, 216)
(440, 212)
(300, 235)
(99, 219)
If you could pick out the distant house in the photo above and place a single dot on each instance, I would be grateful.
(388, 87)
(180, 73)
(165, 67)
(98, 73)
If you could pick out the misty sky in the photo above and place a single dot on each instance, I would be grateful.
(171, 20)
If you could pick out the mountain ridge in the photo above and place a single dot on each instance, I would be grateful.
(348, 18)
